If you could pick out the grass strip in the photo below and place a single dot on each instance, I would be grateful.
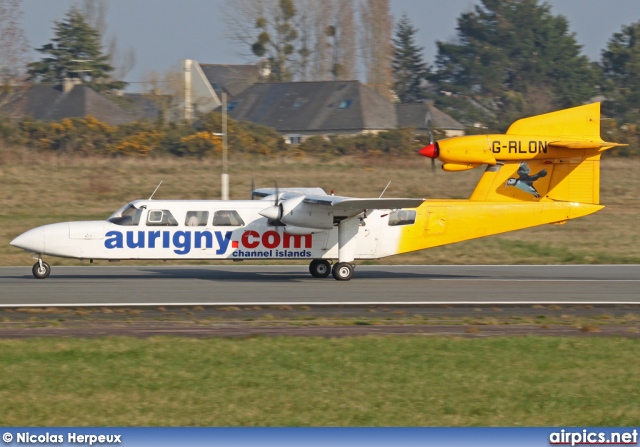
(364, 381)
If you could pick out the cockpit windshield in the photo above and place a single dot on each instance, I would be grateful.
(127, 216)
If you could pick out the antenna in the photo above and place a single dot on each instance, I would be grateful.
(385, 188)
(154, 191)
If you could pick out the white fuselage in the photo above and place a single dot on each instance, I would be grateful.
(187, 229)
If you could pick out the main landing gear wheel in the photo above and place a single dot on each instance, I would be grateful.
(320, 268)
(342, 271)
(41, 271)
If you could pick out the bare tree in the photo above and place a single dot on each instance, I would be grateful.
(95, 13)
(321, 61)
(13, 56)
(344, 41)
(306, 16)
(166, 92)
(267, 28)
(334, 39)
(377, 49)
(240, 17)
(122, 61)
(325, 44)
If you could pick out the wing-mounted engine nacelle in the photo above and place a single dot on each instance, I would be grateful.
(295, 213)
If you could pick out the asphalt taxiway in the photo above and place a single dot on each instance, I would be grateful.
(100, 285)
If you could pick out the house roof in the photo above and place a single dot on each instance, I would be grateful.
(232, 79)
(418, 115)
(314, 106)
(147, 106)
(47, 102)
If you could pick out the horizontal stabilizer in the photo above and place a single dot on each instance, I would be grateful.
(584, 144)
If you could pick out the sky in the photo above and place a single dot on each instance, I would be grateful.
(162, 32)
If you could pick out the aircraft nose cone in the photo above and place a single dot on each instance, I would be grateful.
(32, 240)
(431, 151)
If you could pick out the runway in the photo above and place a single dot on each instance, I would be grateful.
(292, 285)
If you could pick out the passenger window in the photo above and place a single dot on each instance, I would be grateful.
(227, 218)
(196, 218)
(161, 218)
(402, 217)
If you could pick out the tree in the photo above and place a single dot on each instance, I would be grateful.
(269, 29)
(166, 92)
(376, 45)
(513, 58)
(334, 57)
(621, 73)
(13, 50)
(95, 13)
(277, 39)
(75, 53)
(409, 70)
(312, 40)
(343, 41)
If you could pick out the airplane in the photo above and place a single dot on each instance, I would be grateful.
(544, 170)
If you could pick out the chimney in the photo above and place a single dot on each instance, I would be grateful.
(67, 85)
(264, 68)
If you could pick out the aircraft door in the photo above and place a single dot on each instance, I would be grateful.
(368, 235)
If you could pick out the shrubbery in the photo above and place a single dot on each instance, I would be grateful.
(397, 142)
(89, 136)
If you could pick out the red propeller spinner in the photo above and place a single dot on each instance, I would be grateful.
(430, 151)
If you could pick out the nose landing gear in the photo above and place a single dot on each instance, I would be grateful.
(41, 269)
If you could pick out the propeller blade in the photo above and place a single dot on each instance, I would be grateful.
(274, 212)
(253, 188)
(431, 151)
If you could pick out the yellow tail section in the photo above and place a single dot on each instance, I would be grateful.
(546, 171)
(567, 170)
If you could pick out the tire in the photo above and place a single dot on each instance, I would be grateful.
(320, 268)
(41, 273)
(342, 271)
